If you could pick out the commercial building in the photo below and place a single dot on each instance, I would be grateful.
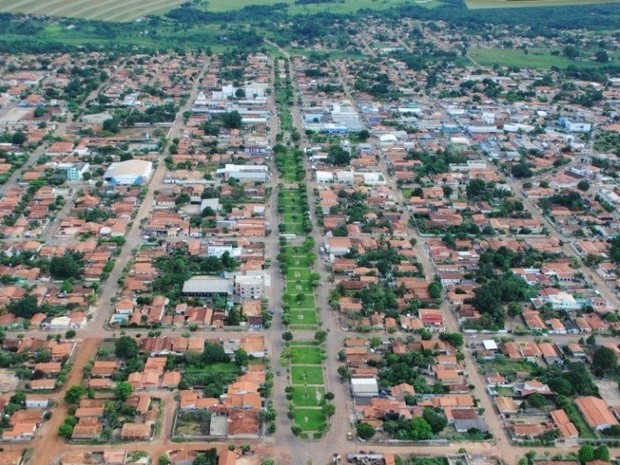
(129, 172)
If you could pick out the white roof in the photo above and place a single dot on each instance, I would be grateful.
(489, 344)
(129, 168)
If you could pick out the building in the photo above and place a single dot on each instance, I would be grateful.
(596, 412)
(244, 173)
(208, 286)
(364, 387)
(129, 172)
(249, 287)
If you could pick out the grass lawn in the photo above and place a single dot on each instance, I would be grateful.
(293, 287)
(505, 392)
(303, 317)
(307, 375)
(306, 355)
(306, 303)
(308, 396)
(293, 228)
(310, 419)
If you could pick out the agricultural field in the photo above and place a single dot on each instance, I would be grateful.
(129, 10)
(105, 10)
(484, 4)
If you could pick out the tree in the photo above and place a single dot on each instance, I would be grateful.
(602, 56)
(126, 348)
(571, 52)
(241, 358)
(65, 431)
(214, 353)
(18, 138)
(25, 307)
(365, 431)
(476, 189)
(604, 361)
(583, 185)
(419, 429)
(338, 156)
(363, 135)
(231, 120)
(74, 394)
(434, 289)
(344, 372)
(329, 409)
(18, 398)
(287, 336)
(42, 356)
(320, 336)
(69, 265)
(436, 421)
(514, 309)
(586, 453)
(537, 401)
(70, 334)
(454, 339)
(602, 453)
(561, 386)
(123, 390)
(521, 170)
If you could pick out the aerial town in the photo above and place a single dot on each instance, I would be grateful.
(287, 257)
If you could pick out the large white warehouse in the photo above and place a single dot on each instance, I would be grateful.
(129, 172)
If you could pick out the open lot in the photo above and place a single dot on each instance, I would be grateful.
(193, 423)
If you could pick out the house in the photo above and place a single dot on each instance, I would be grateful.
(566, 428)
(532, 387)
(36, 402)
(364, 387)
(136, 431)
(549, 353)
(506, 405)
(596, 412)
(431, 318)
(104, 369)
(23, 431)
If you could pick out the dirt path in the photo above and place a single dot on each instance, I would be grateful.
(49, 445)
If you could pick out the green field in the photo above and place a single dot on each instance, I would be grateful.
(306, 355)
(480, 4)
(310, 419)
(308, 396)
(307, 375)
(535, 59)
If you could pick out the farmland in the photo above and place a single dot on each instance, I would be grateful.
(105, 10)
(117, 10)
